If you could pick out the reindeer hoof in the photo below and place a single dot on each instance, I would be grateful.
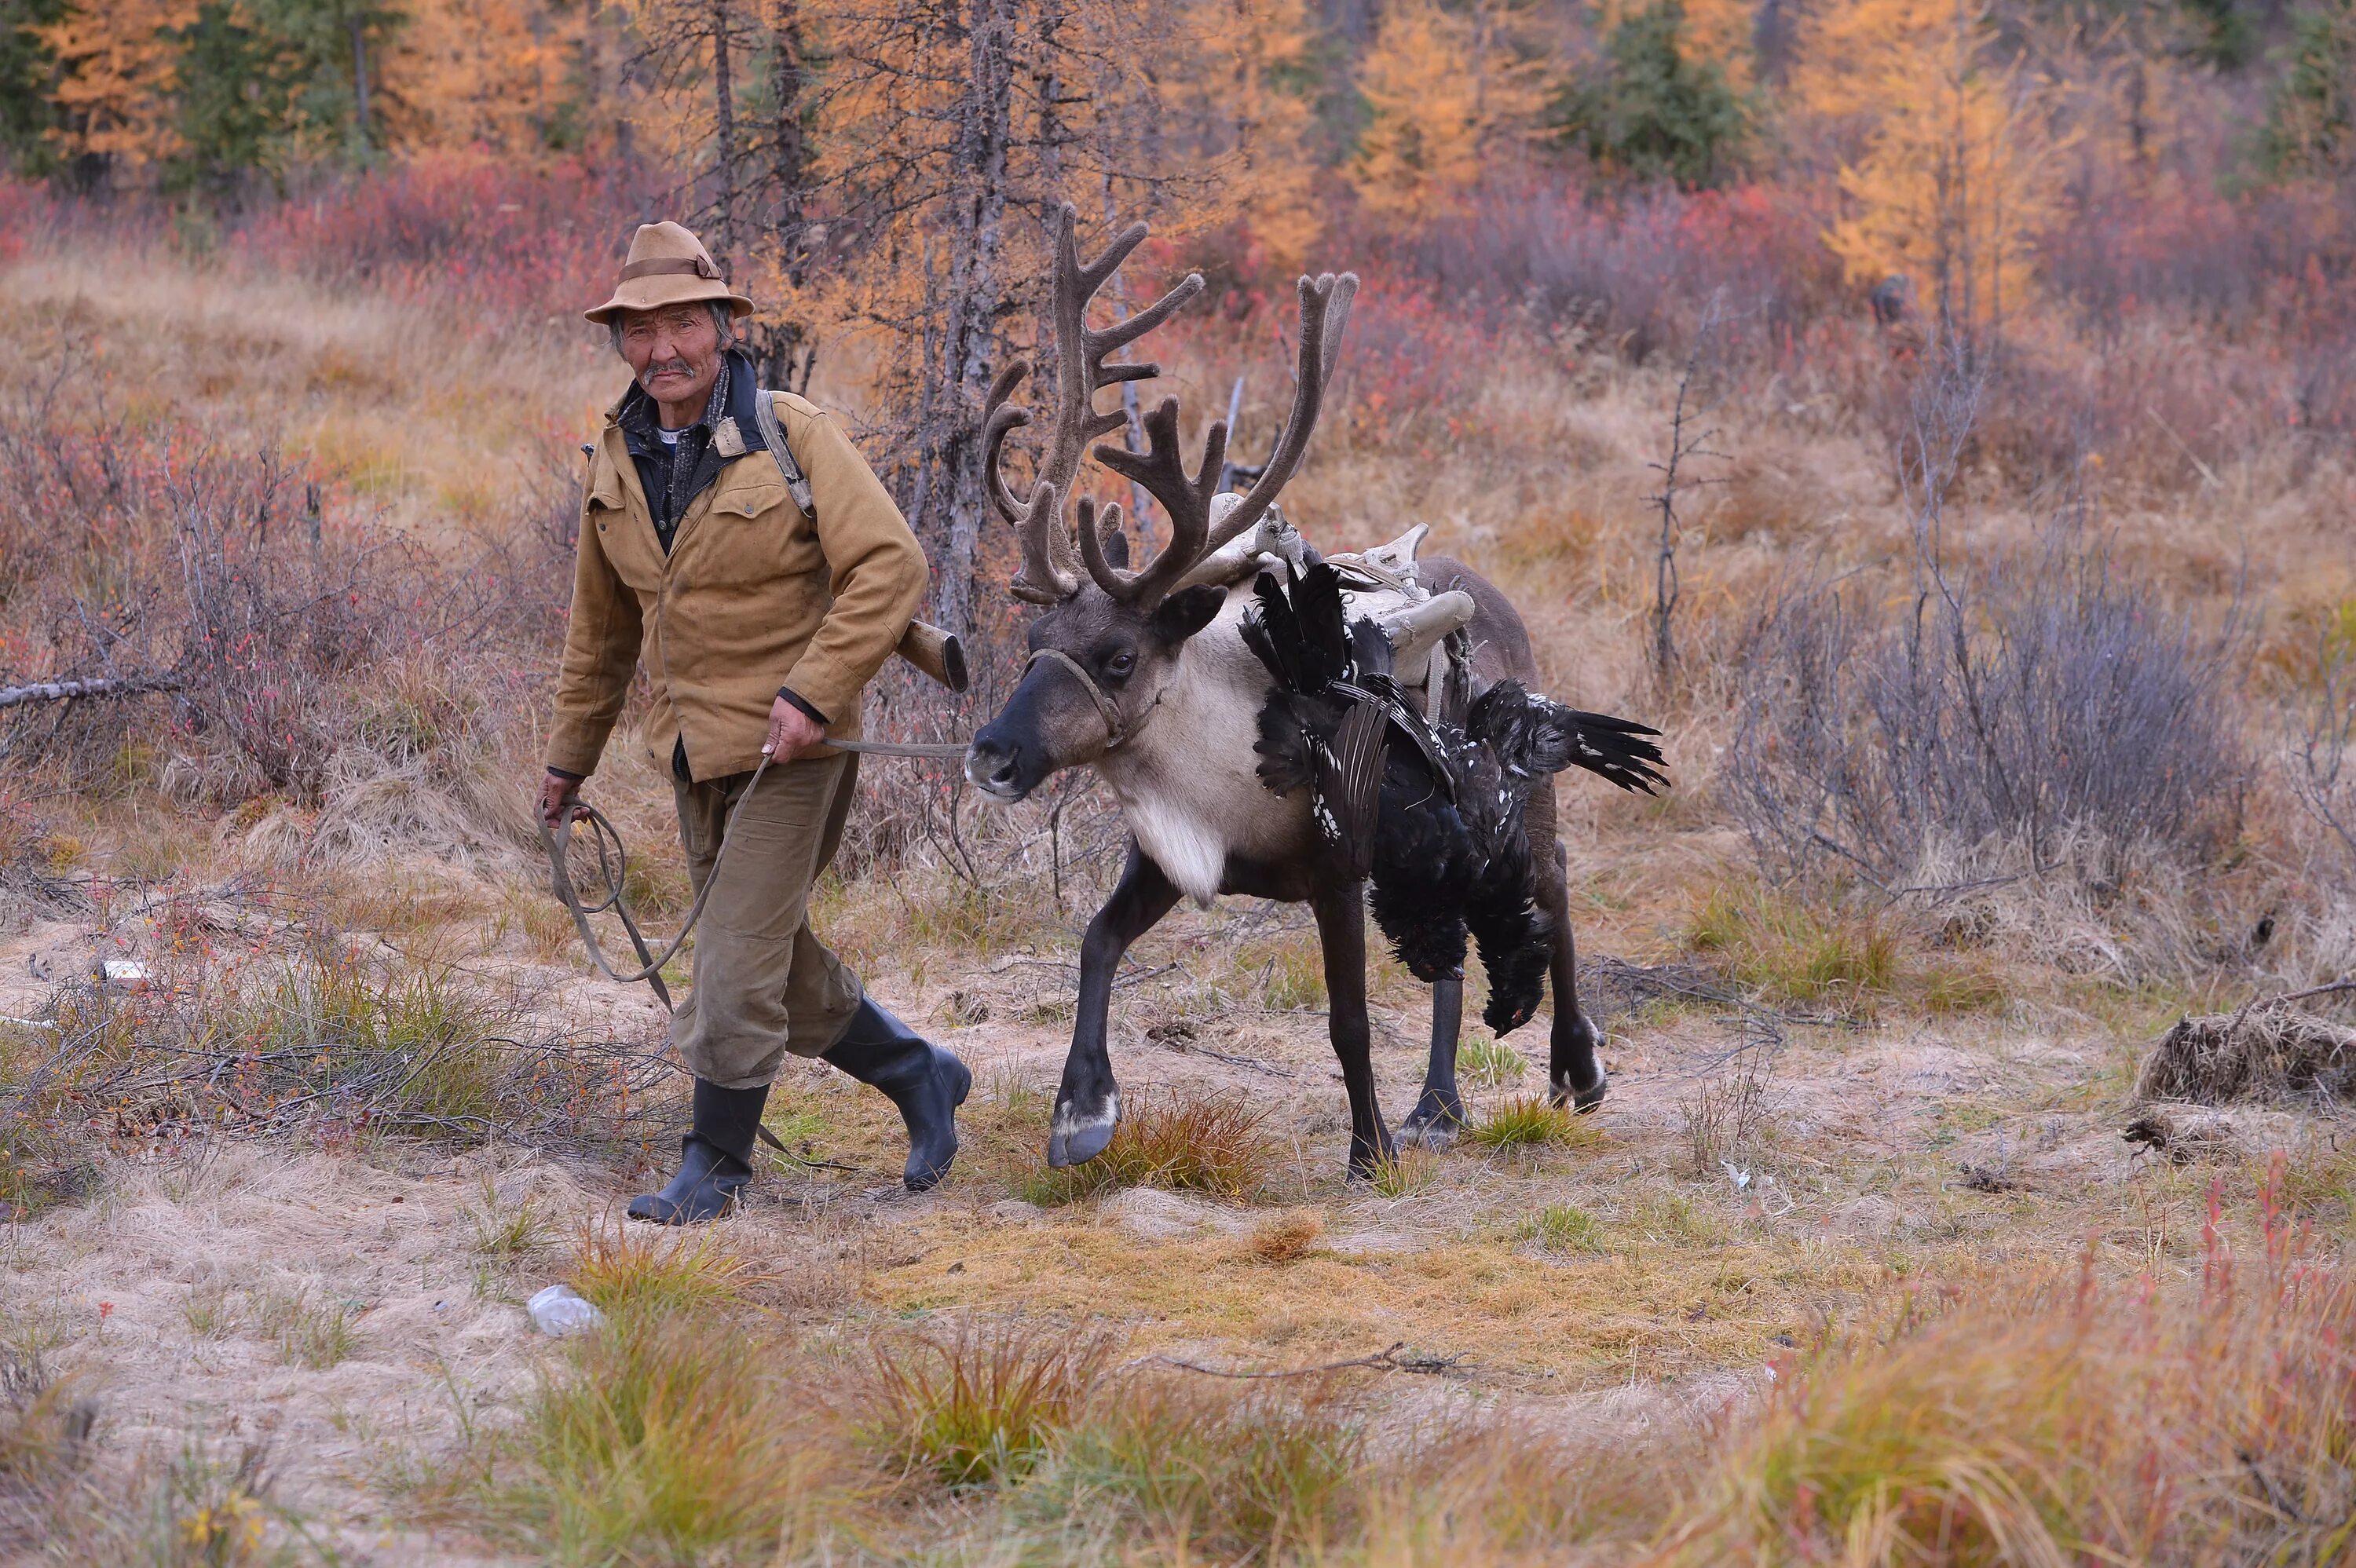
(1074, 1139)
(1581, 1100)
(1432, 1125)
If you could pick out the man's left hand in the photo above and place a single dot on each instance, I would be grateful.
(792, 732)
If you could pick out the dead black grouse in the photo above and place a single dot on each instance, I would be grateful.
(1432, 811)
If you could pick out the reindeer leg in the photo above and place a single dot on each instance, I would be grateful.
(1574, 1072)
(1341, 907)
(1441, 1112)
(1088, 1104)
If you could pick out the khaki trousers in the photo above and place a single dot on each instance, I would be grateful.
(764, 984)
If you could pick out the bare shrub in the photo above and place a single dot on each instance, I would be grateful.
(1724, 1116)
(267, 642)
(2324, 779)
(2041, 696)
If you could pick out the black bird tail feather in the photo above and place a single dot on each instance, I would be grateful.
(1532, 734)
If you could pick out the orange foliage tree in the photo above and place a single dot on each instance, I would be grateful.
(506, 77)
(1449, 93)
(946, 133)
(117, 74)
(1956, 172)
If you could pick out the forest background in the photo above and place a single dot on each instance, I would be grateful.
(2037, 184)
(1934, 414)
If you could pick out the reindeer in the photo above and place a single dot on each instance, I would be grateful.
(1145, 675)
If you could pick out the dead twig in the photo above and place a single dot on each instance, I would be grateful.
(69, 690)
(1398, 1358)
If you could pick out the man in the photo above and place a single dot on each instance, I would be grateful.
(759, 624)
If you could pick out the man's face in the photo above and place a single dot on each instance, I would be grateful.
(674, 351)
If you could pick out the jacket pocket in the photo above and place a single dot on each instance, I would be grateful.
(755, 522)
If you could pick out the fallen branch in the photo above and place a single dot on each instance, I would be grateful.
(1391, 1361)
(65, 690)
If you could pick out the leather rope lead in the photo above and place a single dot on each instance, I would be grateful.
(615, 870)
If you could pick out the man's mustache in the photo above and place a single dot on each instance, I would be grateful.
(664, 368)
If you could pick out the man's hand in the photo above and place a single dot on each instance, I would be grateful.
(792, 732)
(558, 793)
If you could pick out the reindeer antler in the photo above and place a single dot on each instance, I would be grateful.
(1324, 312)
(1048, 574)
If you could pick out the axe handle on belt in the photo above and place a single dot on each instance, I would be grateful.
(937, 653)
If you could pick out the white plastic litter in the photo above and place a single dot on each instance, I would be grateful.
(126, 974)
(558, 1311)
(1737, 1175)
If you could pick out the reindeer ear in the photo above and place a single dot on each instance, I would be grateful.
(1187, 611)
(1115, 539)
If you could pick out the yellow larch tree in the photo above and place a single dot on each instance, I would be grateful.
(489, 73)
(1722, 32)
(949, 132)
(1235, 86)
(1955, 170)
(1448, 92)
(119, 75)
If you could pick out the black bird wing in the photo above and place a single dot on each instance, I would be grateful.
(1532, 735)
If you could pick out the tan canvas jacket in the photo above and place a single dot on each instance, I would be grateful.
(752, 597)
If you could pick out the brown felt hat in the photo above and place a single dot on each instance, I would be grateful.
(668, 265)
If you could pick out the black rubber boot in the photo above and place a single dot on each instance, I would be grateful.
(715, 1158)
(926, 1083)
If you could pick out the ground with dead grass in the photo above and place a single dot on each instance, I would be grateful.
(1854, 1264)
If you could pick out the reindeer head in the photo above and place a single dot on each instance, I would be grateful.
(1108, 645)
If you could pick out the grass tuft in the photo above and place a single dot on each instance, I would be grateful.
(1405, 1172)
(1252, 1474)
(982, 1407)
(310, 1331)
(1533, 1122)
(1794, 951)
(1181, 1140)
(1564, 1228)
(659, 1441)
(1485, 1064)
(1287, 1238)
(650, 1270)
(504, 1232)
(2072, 1423)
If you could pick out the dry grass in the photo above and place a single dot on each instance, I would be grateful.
(1630, 1279)
(634, 1270)
(1531, 1122)
(2086, 1423)
(1183, 1140)
(980, 1407)
(2274, 1050)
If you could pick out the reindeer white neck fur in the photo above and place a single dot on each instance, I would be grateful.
(1187, 780)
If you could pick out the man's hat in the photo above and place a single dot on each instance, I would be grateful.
(668, 265)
